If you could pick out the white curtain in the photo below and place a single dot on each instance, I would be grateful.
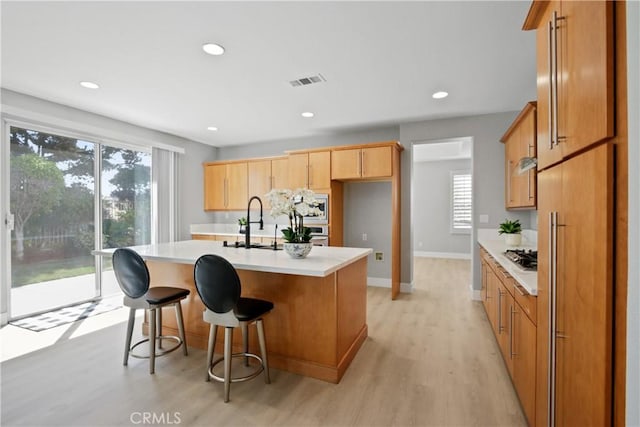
(164, 182)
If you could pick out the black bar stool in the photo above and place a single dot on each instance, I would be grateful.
(133, 277)
(219, 288)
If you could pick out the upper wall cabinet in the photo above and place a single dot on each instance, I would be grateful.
(520, 143)
(310, 169)
(361, 163)
(265, 175)
(225, 186)
(575, 76)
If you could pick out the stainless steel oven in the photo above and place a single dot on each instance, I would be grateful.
(323, 205)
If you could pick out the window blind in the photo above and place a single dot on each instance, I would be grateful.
(461, 201)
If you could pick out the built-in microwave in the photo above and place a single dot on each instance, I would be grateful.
(323, 206)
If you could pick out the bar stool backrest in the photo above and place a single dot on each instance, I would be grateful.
(131, 272)
(217, 283)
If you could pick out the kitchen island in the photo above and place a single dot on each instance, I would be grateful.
(319, 320)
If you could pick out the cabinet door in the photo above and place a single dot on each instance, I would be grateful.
(528, 138)
(345, 164)
(320, 170)
(376, 162)
(490, 302)
(524, 361)
(584, 344)
(548, 153)
(280, 173)
(237, 188)
(576, 98)
(215, 190)
(510, 162)
(298, 170)
(586, 90)
(259, 175)
(503, 323)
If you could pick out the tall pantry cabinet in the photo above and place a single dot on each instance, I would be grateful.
(575, 57)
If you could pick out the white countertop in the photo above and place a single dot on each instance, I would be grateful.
(322, 261)
(495, 245)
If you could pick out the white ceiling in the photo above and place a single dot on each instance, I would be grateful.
(382, 61)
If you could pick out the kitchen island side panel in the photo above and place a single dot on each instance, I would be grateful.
(317, 326)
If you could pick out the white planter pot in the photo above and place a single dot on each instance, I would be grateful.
(513, 239)
(297, 250)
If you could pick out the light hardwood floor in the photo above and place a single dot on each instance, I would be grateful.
(430, 360)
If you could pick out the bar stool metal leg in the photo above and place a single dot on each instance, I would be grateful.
(127, 346)
(263, 350)
(244, 327)
(159, 326)
(152, 341)
(213, 332)
(183, 337)
(228, 341)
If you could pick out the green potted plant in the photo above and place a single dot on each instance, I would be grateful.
(296, 205)
(242, 222)
(512, 232)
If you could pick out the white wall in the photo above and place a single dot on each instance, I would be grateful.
(432, 208)
(633, 303)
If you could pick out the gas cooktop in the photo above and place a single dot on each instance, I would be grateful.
(525, 259)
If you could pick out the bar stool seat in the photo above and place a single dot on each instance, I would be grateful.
(219, 287)
(133, 277)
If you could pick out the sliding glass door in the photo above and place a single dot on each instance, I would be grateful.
(69, 196)
(126, 204)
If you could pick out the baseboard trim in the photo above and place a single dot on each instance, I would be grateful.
(382, 282)
(4, 318)
(448, 255)
(476, 294)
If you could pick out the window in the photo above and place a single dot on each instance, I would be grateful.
(460, 202)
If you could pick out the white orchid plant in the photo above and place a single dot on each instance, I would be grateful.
(296, 205)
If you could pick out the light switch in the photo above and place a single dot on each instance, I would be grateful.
(484, 219)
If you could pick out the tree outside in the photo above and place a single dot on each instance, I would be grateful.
(53, 198)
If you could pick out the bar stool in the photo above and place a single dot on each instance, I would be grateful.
(219, 288)
(133, 277)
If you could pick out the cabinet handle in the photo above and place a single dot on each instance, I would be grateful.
(517, 287)
(529, 184)
(509, 180)
(553, 260)
(511, 321)
(500, 327)
(556, 138)
(550, 64)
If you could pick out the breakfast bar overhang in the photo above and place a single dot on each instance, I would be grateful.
(319, 320)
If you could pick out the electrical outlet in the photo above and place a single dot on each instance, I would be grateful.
(364, 237)
(378, 256)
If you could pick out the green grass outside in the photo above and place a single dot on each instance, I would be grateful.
(42, 271)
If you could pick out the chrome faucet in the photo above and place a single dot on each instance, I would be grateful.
(247, 236)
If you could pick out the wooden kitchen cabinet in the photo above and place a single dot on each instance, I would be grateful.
(524, 360)
(365, 163)
(310, 170)
(574, 55)
(265, 175)
(576, 217)
(520, 142)
(225, 186)
(504, 322)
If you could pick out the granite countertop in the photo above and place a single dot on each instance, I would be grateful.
(322, 261)
(495, 245)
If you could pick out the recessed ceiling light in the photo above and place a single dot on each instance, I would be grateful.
(440, 95)
(212, 128)
(307, 114)
(213, 49)
(89, 85)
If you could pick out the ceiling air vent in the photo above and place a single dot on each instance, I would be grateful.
(305, 81)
